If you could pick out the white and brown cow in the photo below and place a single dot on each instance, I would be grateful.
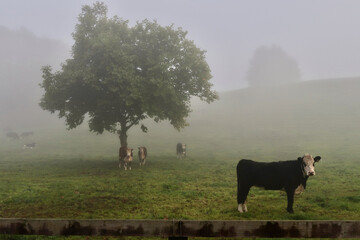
(142, 153)
(125, 157)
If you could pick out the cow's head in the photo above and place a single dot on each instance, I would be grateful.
(141, 150)
(129, 154)
(308, 164)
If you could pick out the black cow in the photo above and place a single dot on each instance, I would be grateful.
(181, 150)
(26, 134)
(283, 175)
(13, 135)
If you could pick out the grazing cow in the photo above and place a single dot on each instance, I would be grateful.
(29, 145)
(13, 135)
(284, 175)
(6, 130)
(125, 157)
(142, 153)
(26, 134)
(181, 150)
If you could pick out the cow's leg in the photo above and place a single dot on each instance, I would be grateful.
(290, 200)
(244, 207)
(119, 163)
(129, 165)
(241, 197)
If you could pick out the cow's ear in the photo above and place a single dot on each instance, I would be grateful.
(300, 159)
(317, 158)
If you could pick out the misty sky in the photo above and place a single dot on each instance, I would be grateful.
(322, 35)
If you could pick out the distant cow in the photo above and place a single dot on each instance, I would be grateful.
(13, 135)
(142, 153)
(287, 175)
(26, 134)
(29, 145)
(125, 157)
(6, 130)
(181, 150)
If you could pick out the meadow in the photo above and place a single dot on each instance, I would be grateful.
(36, 185)
(33, 185)
(74, 174)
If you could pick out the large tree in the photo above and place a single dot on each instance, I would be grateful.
(271, 65)
(120, 75)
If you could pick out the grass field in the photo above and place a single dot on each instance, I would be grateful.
(74, 174)
(35, 186)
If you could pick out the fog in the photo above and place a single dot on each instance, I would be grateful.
(22, 54)
(321, 36)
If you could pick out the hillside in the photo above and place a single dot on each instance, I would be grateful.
(312, 116)
(306, 115)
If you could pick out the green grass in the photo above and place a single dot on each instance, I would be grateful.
(165, 188)
(32, 186)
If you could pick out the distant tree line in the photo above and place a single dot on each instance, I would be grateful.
(271, 65)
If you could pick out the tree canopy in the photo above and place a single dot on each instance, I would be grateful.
(120, 75)
(271, 65)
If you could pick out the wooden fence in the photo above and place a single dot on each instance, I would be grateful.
(182, 229)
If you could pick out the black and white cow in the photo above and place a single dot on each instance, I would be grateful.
(181, 150)
(29, 145)
(284, 175)
(125, 157)
(26, 134)
(142, 154)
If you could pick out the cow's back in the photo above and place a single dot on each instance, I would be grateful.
(272, 175)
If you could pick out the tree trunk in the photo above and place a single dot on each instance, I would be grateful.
(123, 138)
(122, 134)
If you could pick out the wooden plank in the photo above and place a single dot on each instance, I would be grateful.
(273, 229)
(182, 228)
